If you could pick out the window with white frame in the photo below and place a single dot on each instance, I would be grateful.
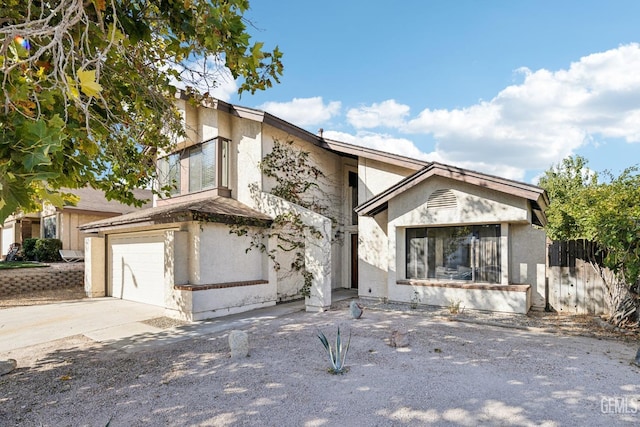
(467, 253)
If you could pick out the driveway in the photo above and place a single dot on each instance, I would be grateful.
(100, 319)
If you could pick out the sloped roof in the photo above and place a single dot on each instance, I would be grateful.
(537, 196)
(212, 209)
(94, 200)
(338, 147)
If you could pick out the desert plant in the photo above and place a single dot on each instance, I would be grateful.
(47, 250)
(415, 300)
(337, 354)
(454, 306)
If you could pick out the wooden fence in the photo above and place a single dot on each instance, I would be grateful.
(574, 286)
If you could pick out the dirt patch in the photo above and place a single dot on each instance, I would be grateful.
(453, 372)
(42, 297)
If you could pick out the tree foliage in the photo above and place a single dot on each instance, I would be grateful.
(87, 88)
(605, 211)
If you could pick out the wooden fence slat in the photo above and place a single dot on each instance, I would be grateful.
(574, 286)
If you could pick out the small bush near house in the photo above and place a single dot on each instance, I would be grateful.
(47, 250)
(29, 249)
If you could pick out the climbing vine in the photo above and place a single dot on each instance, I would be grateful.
(297, 181)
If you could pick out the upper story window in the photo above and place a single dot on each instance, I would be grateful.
(169, 172)
(470, 253)
(204, 166)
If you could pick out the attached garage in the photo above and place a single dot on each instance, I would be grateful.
(137, 268)
(181, 257)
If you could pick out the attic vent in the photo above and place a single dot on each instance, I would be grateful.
(442, 199)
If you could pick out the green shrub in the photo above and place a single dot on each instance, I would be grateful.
(29, 249)
(47, 250)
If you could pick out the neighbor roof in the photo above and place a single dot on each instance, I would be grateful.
(537, 196)
(213, 209)
(94, 200)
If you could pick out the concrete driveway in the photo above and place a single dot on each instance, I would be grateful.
(101, 319)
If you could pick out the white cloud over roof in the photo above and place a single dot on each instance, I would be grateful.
(382, 142)
(529, 125)
(303, 111)
(387, 113)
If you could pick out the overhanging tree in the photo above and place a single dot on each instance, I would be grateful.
(88, 88)
(606, 212)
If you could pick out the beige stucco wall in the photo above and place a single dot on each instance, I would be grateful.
(528, 260)
(246, 153)
(209, 254)
(329, 192)
(317, 252)
(216, 256)
(374, 177)
(68, 233)
(94, 268)
(476, 205)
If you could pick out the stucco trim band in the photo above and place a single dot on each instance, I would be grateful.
(426, 283)
(194, 288)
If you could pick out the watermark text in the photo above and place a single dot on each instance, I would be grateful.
(620, 405)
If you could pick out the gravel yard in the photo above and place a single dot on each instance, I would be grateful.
(470, 369)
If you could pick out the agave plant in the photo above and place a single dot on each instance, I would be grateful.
(337, 354)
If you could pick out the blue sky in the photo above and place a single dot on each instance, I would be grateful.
(502, 87)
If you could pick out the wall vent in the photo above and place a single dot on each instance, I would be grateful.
(442, 199)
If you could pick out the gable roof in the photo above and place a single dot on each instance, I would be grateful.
(537, 196)
(213, 209)
(338, 147)
(90, 199)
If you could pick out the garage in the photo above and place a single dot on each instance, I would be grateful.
(136, 268)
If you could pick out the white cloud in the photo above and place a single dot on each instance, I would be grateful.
(387, 113)
(303, 111)
(545, 118)
(226, 86)
(382, 142)
(206, 76)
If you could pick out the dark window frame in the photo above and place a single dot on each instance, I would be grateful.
(454, 253)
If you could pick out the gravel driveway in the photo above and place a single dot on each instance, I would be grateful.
(452, 373)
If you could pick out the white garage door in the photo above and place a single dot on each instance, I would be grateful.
(137, 268)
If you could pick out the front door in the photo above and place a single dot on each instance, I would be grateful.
(354, 261)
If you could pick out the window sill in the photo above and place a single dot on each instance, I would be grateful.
(193, 288)
(463, 285)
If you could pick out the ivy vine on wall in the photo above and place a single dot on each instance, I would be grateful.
(296, 180)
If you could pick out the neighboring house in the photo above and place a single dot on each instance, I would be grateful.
(18, 227)
(406, 229)
(63, 223)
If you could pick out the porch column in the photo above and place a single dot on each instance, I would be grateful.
(504, 250)
(94, 267)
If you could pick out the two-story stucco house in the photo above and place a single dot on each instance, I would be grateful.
(406, 228)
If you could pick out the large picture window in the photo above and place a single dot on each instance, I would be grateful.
(470, 253)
